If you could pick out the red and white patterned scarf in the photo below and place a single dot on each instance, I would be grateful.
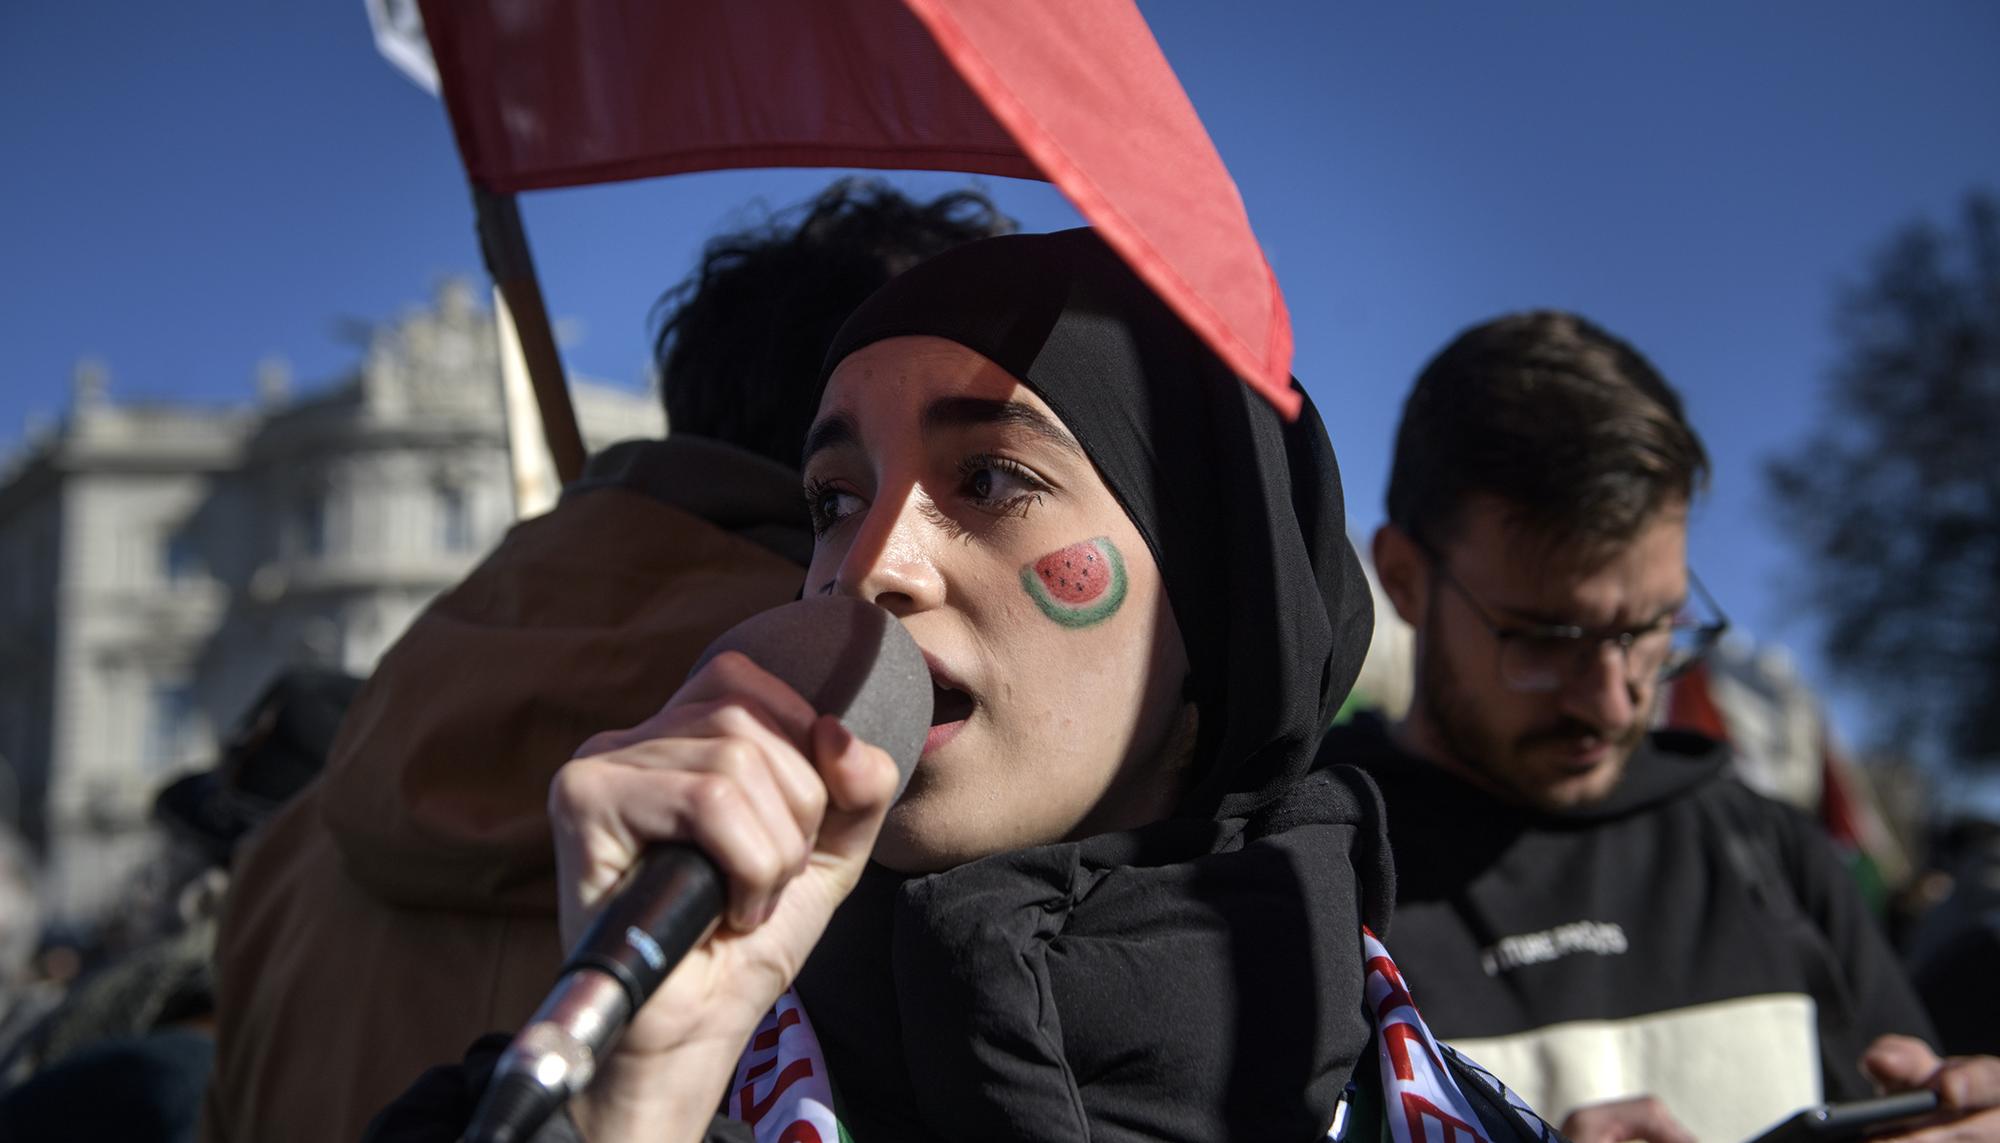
(782, 1091)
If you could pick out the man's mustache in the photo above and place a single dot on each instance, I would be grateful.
(1571, 730)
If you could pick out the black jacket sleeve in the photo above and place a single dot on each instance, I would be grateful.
(1869, 994)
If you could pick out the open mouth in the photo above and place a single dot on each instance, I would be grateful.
(948, 704)
(951, 705)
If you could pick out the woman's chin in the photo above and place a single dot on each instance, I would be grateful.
(925, 834)
(895, 849)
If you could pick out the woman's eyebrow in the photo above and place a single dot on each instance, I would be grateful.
(962, 412)
(837, 429)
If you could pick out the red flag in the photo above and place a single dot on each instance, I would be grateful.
(547, 94)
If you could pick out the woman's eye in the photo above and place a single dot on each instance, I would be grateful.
(998, 484)
(827, 505)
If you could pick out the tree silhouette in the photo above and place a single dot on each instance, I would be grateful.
(1895, 496)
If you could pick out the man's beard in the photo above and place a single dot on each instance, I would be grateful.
(1492, 758)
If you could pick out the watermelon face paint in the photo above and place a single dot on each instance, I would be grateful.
(1080, 586)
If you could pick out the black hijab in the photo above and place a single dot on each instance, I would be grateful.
(1242, 511)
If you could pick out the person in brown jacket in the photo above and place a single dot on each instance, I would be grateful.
(406, 901)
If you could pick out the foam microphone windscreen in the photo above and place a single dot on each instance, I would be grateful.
(850, 659)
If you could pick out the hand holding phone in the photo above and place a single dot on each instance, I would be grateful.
(1857, 1120)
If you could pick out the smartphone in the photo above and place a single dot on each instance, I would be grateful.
(1847, 1122)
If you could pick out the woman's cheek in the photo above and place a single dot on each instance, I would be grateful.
(1078, 586)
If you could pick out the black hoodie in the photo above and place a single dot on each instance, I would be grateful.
(1684, 937)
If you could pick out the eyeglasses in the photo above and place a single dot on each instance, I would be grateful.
(1536, 658)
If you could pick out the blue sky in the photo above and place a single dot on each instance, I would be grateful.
(187, 188)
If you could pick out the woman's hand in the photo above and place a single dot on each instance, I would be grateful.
(787, 804)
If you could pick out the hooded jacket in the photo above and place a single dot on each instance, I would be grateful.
(1199, 978)
(1684, 937)
(405, 902)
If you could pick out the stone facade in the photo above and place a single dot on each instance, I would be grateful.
(160, 564)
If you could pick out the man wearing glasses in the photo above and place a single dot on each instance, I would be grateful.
(1598, 913)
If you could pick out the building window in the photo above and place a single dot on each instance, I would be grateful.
(170, 721)
(454, 519)
(178, 558)
(29, 590)
(309, 524)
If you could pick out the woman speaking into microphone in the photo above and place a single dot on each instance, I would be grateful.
(1116, 901)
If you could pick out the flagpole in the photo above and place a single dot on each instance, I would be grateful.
(504, 244)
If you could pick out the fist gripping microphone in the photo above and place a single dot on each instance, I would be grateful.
(847, 658)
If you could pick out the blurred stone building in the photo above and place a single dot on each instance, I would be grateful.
(159, 564)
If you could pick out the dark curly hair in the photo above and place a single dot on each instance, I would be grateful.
(740, 341)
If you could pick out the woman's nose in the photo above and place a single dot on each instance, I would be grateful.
(890, 561)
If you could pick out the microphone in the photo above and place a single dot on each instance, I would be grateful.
(847, 658)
